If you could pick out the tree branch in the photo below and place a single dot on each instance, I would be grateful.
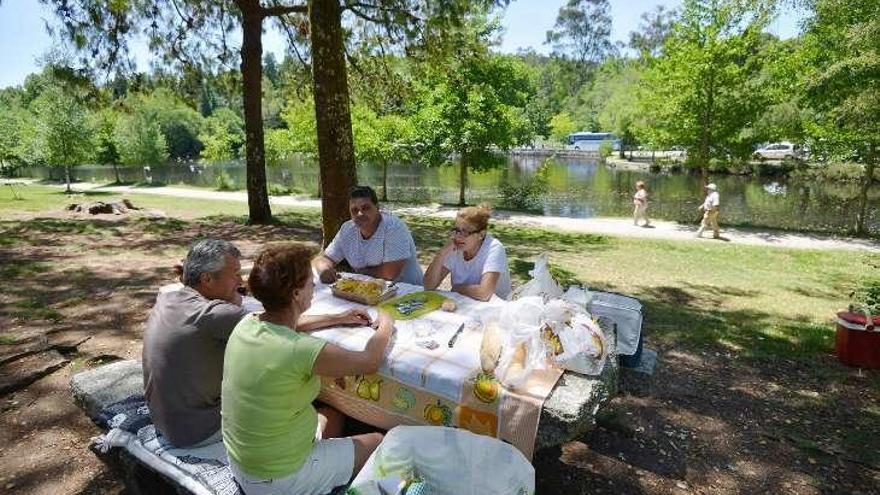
(281, 10)
(291, 40)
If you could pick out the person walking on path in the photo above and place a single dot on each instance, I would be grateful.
(711, 208)
(640, 204)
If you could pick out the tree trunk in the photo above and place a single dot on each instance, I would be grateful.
(252, 82)
(862, 213)
(67, 177)
(384, 181)
(332, 114)
(462, 179)
(116, 172)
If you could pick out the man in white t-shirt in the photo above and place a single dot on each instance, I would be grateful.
(373, 243)
(711, 209)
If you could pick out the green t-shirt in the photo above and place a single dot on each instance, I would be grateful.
(268, 419)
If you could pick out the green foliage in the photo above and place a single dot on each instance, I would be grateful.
(61, 136)
(222, 135)
(381, 139)
(102, 124)
(278, 147)
(224, 182)
(561, 125)
(475, 104)
(178, 122)
(300, 118)
(842, 53)
(606, 148)
(15, 121)
(619, 113)
(139, 137)
(529, 194)
(868, 295)
(704, 89)
(471, 101)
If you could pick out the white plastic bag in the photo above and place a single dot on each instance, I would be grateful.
(584, 345)
(542, 283)
(447, 461)
(522, 349)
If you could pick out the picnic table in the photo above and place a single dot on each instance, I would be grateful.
(431, 375)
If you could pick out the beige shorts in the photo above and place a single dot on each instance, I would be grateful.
(328, 465)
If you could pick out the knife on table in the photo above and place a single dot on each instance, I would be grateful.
(455, 335)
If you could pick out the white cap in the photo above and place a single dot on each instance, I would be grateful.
(711, 186)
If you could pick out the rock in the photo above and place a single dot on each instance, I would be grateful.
(99, 387)
(571, 408)
(19, 373)
(117, 207)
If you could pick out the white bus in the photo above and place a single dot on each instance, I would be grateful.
(590, 141)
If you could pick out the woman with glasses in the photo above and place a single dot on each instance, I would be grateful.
(476, 260)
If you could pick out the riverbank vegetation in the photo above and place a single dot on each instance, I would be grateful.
(707, 78)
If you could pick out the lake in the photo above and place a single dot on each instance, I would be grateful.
(579, 187)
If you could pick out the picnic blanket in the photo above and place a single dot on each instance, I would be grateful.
(439, 385)
(202, 471)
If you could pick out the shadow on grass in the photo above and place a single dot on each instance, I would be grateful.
(676, 315)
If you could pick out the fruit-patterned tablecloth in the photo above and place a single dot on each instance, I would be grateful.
(419, 383)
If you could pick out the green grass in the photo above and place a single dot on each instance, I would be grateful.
(757, 301)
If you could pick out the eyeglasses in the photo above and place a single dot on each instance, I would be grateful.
(457, 232)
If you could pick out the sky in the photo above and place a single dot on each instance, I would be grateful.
(24, 40)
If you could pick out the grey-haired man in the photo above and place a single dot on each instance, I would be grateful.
(185, 340)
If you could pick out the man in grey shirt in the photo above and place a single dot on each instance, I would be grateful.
(185, 340)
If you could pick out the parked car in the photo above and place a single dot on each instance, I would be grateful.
(779, 151)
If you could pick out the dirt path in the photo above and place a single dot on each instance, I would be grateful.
(660, 229)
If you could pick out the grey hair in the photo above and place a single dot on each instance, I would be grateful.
(207, 256)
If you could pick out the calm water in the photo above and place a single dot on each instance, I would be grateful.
(578, 188)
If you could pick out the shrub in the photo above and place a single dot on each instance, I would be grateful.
(279, 190)
(528, 195)
(225, 182)
(843, 171)
(868, 296)
(605, 149)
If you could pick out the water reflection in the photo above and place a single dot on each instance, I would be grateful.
(578, 188)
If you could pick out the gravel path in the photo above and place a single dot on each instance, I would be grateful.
(608, 226)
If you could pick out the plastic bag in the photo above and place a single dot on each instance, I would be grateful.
(584, 345)
(535, 334)
(542, 283)
(444, 461)
(522, 349)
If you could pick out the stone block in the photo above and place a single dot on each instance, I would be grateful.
(99, 387)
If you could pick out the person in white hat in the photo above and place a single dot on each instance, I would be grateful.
(711, 208)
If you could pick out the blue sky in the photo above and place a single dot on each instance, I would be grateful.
(23, 38)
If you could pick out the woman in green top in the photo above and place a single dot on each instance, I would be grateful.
(270, 378)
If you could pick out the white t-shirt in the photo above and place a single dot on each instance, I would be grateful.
(713, 200)
(391, 242)
(490, 258)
